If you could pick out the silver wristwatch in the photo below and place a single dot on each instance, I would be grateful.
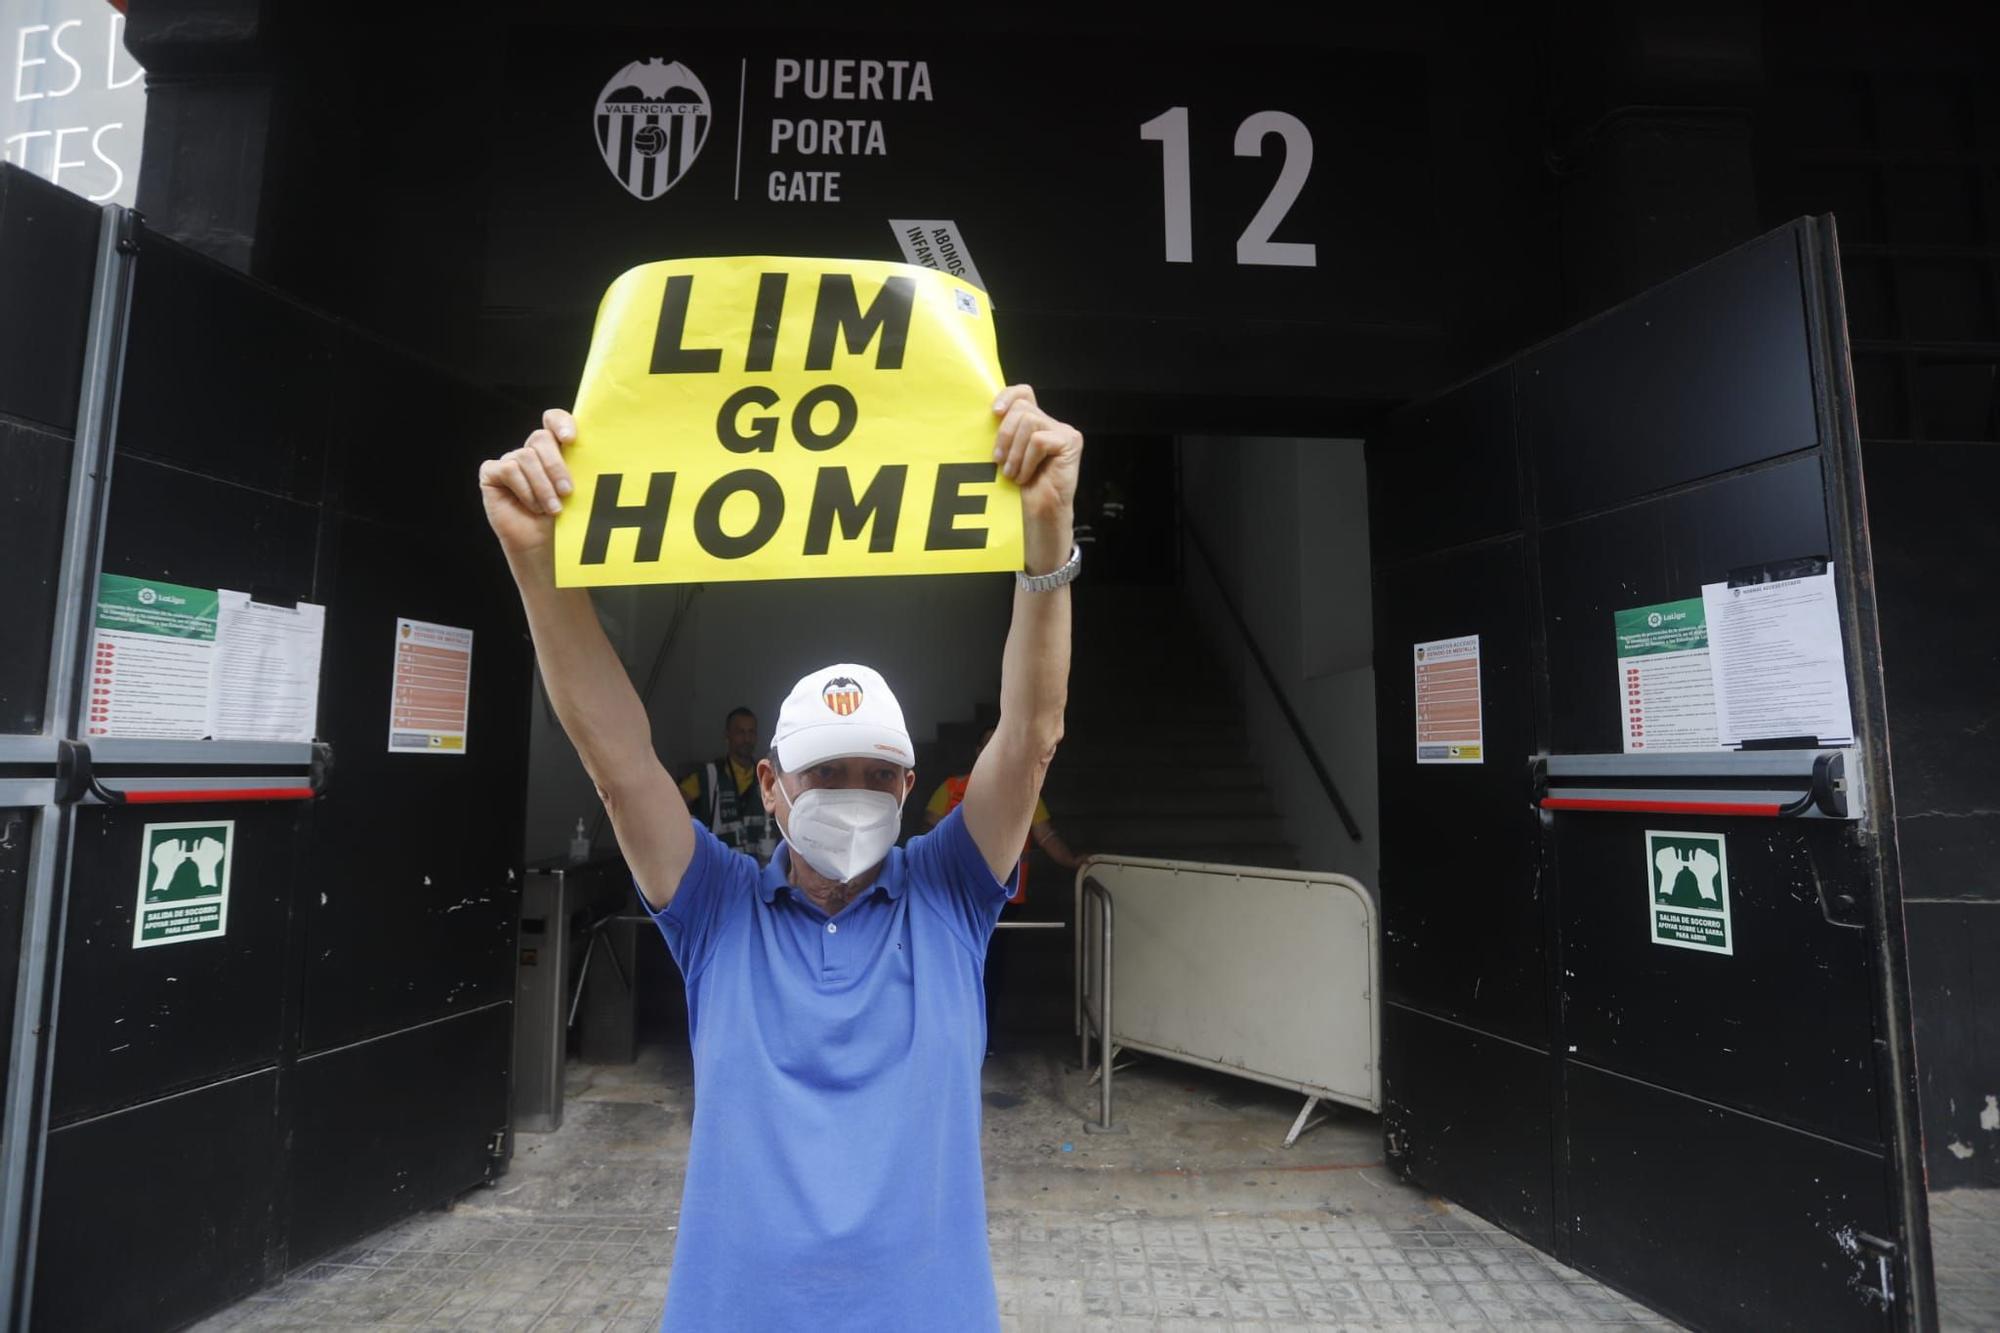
(1050, 582)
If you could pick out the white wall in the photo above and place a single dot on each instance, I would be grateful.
(1287, 522)
(936, 640)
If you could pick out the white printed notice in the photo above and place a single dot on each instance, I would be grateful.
(1665, 691)
(430, 689)
(150, 657)
(265, 681)
(1449, 717)
(1775, 655)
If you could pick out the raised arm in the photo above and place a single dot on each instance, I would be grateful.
(1042, 455)
(586, 683)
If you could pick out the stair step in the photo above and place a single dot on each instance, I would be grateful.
(1125, 696)
(1127, 678)
(1165, 727)
(1117, 799)
(1121, 710)
(1116, 658)
(1103, 830)
(1156, 763)
(1146, 752)
(1072, 774)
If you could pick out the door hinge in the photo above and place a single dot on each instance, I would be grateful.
(496, 1156)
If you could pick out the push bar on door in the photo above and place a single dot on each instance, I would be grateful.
(1767, 784)
(145, 772)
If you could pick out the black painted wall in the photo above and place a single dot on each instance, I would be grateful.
(339, 1058)
(45, 267)
(1569, 155)
(1891, 120)
(48, 255)
(1544, 1063)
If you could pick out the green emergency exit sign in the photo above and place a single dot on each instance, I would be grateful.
(183, 882)
(1688, 893)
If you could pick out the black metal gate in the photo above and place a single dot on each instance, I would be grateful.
(184, 1123)
(1728, 1135)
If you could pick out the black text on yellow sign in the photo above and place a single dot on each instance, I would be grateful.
(764, 418)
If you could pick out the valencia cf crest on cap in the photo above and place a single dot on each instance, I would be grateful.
(845, 710)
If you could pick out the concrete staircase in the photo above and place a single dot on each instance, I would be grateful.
(1155, 762)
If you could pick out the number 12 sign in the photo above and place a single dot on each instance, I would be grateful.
(1169, 129)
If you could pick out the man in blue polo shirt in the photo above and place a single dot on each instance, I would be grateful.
(834, 997)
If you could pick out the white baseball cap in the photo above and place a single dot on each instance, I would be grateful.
(843, 711)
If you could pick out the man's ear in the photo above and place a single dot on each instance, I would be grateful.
(909, 782)
(767, 785)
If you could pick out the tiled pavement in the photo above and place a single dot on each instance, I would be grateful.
(472, 1269)
(1448, 1271)
(1965, 1251)
(1194, 1220)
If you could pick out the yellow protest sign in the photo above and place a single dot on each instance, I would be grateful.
(762, 418)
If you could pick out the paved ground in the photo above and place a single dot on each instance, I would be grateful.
(1194, 1219)
(1965, 1240)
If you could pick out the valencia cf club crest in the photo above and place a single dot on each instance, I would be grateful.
(842, 695)
(652, 120)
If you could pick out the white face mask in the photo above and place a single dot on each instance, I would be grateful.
(841, 832)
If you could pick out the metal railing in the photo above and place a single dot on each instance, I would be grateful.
(1100, 937)
(1258, 973)
(43, 897)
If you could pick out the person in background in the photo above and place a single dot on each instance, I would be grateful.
(1041, 833)
(732, 809)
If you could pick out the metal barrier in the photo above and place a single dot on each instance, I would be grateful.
(1265, 974)
(1094, 892)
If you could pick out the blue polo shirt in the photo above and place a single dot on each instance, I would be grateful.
(833, 1178)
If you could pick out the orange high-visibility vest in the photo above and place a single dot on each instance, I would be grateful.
(955, 793)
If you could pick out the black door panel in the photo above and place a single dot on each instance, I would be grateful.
(1730, 1129)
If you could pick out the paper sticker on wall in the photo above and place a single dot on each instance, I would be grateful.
(429, 692)
(1777, 659)
(1449, 715)
(183, 882)
(1665, 692)
(1687, 893)
(150, 659)
(265, 681)
(170, 662)
(935, 243)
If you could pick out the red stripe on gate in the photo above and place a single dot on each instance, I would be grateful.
(1765, 808)
(183, 797)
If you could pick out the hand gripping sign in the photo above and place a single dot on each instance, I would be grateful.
(760, 418)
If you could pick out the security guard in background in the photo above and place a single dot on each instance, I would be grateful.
(732, 809)
(1041, 831)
